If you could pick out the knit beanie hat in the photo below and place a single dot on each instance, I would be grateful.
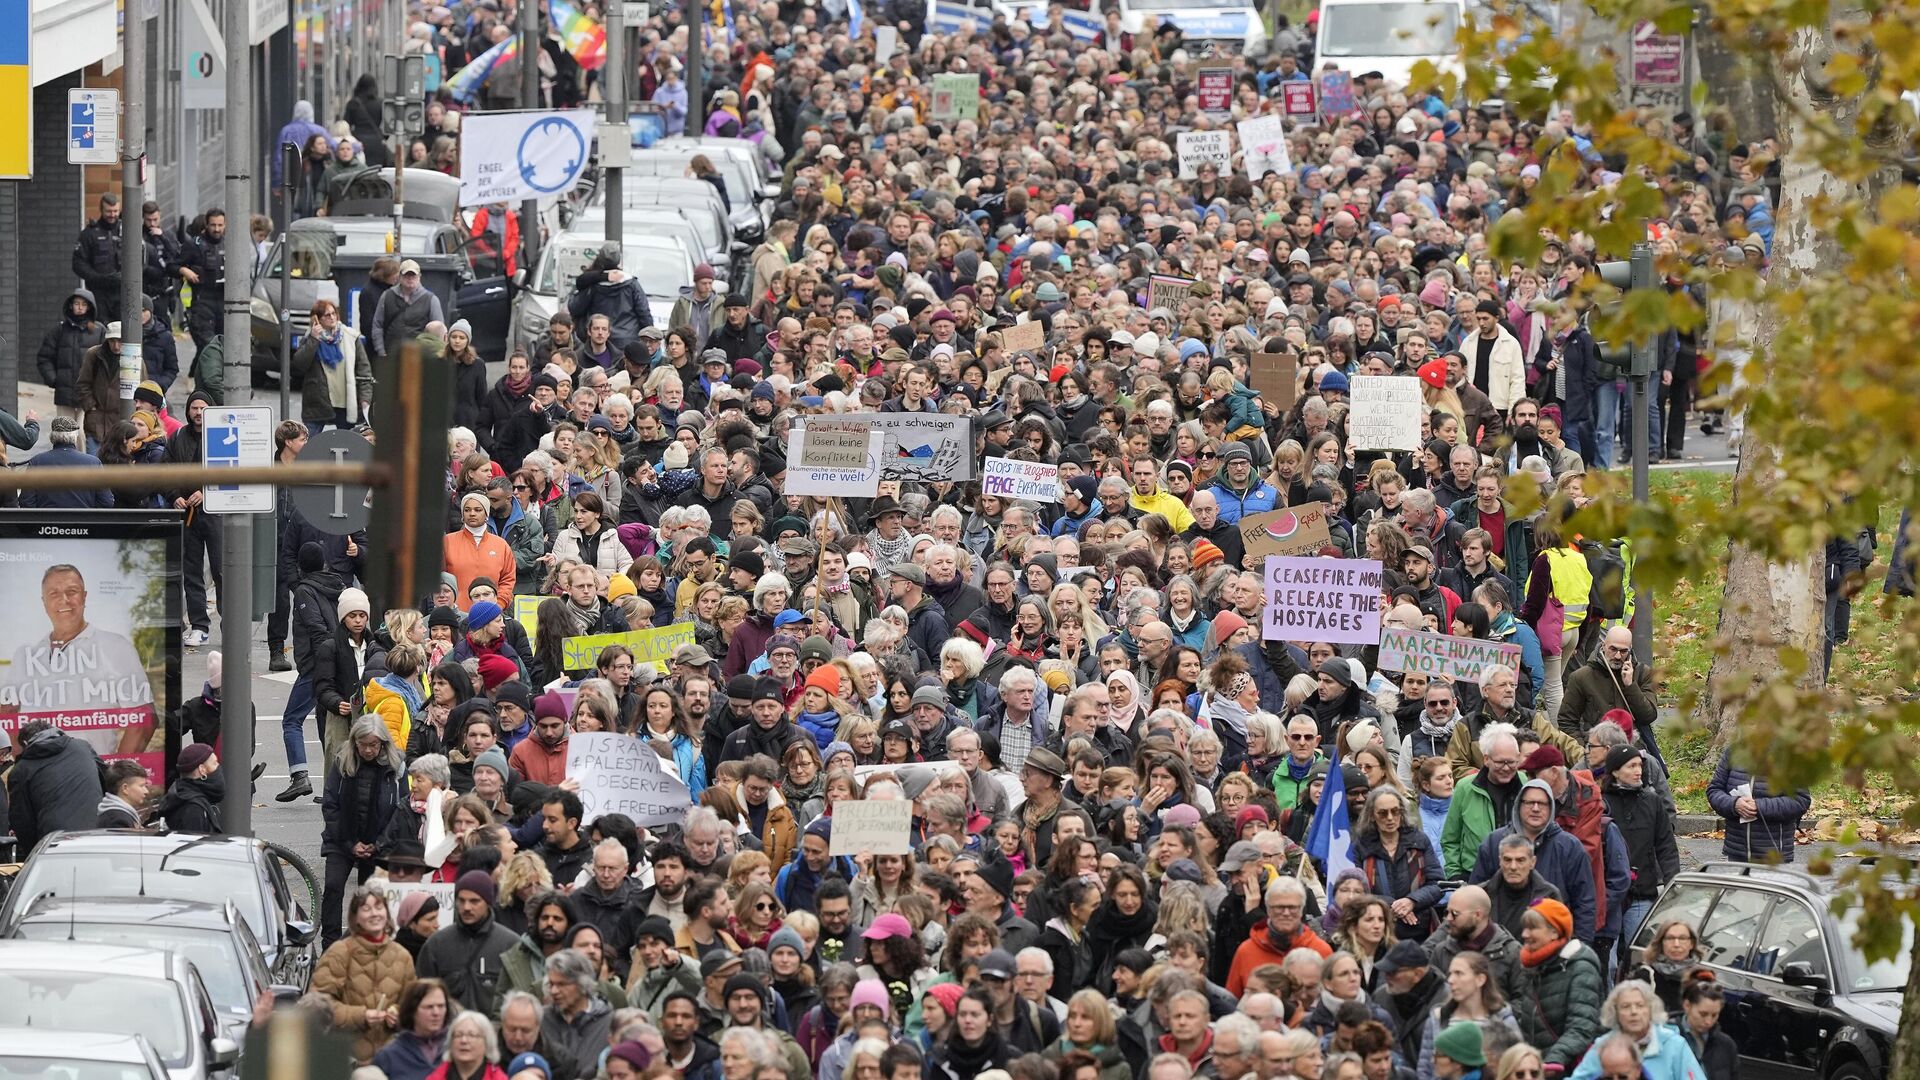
(1557, 915)
(493, 759)
(1461, 1042)
(477, 882)
(872, 992)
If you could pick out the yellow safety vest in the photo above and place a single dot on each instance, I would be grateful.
(1572, 585)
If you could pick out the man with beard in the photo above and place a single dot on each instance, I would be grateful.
(466, 954)
(799, 881)
(739, 336)
(1026, 1027)
(949, 588)
(549, 917)
(667, 898)
(1286, 901)
(589, 613)
(839, 937)
(1484, 425)
(1470, 928)
(927, 623)
(688, 1053)
(709, 909)
(542, 756)
(578, 1019)
(1410, 989)
(566, 851)
(768, 730)
(1417, 565)
(1207, 525)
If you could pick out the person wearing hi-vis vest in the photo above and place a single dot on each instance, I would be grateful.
(1559, 587)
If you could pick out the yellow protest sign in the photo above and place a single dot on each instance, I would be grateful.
(648, 646)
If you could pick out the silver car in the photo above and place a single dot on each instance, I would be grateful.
(661, 263)
(77, 1055)
(72, 986)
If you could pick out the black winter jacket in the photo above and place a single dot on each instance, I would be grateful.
(63, 352)
(57, 785)
(468, 958)
(1647, 828)
(193, 806)
(315, 599)
(357, 809)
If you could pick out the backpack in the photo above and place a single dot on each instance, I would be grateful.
(1608, 599)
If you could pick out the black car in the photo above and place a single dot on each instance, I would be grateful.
(1801, 1000)
(272, 888)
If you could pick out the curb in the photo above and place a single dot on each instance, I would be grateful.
(1689, 824)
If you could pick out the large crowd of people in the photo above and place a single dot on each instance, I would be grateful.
(1113, 870)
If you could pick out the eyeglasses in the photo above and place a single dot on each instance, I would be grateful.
(1300, 738)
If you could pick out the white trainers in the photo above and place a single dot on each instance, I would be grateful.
(193, 639)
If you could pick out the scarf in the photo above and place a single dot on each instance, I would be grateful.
(891, 551)
(1226, 710)
(1117, 716)
(988, 1053)
(800, 794)
(329, 350)
(826, 720)
(408, 689)
(1535, 957)
(587, 618)
(1111, 927)
(518, 387)
(1438, 732)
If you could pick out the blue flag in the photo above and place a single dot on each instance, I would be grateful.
(1330, 837)
(856, 18)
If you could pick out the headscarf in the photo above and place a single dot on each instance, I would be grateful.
(1125, 718)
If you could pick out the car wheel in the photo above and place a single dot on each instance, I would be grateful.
(1850, 1070)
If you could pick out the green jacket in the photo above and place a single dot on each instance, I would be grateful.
(209, 369)
(1286, 790)
(1558, 1004)
(1469, 820)
(655, 985)
(525, 968)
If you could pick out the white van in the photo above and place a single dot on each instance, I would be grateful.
(1389, 36)
(1231, 26)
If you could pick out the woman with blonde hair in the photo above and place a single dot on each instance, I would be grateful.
(1521, 1062)
(524, 876)
(748, 867)
(756, 915)
(1183, 906)
(1366, 931)
(1089, 1029)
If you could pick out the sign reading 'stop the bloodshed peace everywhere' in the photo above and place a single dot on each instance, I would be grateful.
(1010, 479)
(1313, 599)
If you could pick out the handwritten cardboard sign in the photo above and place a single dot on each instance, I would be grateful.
(1263, 147)
(1295, 530)
(620, 774)
(1308, 599)
(920, 446)
(849, 476)
(1023, 337)
(1030, 480)
(1272, 376)
(833, 444)
(883, 828)
(1199, 148)
(1166, 291)
(1459, 659)
(648, 646)
(1386, 413)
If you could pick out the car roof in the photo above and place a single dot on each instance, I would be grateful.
(126, 910)
(129, 842)
(85, 957)
(84, 1045)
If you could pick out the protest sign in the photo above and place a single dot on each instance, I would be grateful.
(1459, 659)
(396, 891)
(1386, 412)
(1168, 292)
(1294, 530)
(848, 478)
(1199, 148)
(1308, 599)
(1336, 94)
(883, 828)
(508, 157)
(885, 40)
(918, 446)
(1659, 67)
(1030, 480)
(957, 96)
(526, 612)
(1263, 147)
(647, 646)
(833, 444)
(1297, 98)
(620, 774)
(1214, 88)
(1271, 375)
(1023, 337)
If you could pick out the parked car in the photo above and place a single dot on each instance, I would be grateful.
(1801, 999)
(693, 199)
(213, 936)
(669, 160)
(72, 986)
(79, 1055)
(661, 262)
(250, 873)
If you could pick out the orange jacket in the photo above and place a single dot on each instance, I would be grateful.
(535, 762)
(1258, 949)
(466, 560)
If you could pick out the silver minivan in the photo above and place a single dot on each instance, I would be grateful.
(73, 986)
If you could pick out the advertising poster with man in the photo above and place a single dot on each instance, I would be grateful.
(87, 648)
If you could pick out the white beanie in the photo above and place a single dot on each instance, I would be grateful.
(352, 600)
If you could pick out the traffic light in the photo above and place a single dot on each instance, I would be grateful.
(1625, 275)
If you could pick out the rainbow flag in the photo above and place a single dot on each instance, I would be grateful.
(466, 82)
(582, 35)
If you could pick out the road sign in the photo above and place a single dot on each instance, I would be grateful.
(93, 127)
(342, 508)
(203, 66)
(239, 436)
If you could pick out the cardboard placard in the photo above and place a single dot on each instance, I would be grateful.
(648, 646)
(859, 480)
(1386, 412)
(1032, 481)
(1023, 337)
(620, 774)
(1297, 98)
(919, 446)
(957, 96)
(1166, 291)
(1263, 147)
(833, 444)
(1294, 530)
(1309, 599)
(884, 827)
(1456, 658)
(1272, 376)
(1199, 148)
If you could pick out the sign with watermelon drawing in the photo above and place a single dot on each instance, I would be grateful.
(1295, 530)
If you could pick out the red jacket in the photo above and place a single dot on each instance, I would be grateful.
(1259, 949)
(1588, 824)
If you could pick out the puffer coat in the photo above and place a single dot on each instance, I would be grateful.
(360, 975)
(1558, 1004)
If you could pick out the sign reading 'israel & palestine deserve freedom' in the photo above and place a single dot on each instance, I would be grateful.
(620, 774)
(1308, 599)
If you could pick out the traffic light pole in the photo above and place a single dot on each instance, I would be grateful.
(133, 198)
(529, 99)
(1644, 354)
(614, 79)
(236, 530)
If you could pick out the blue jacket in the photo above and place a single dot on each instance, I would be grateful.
(1769, 834)
(1665, 1057)
(1233, 505)
(1071, 524)
(692, 765)
(1561, 859)
(67, 500)
(796, 884)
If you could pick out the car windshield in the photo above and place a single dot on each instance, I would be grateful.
(661, 272)
(1186, 5)
(100, 875)
(1388, 29)
(1888, 974)
(366, 241)
(60, 1068)
(64, 1001)
(313, 253)
(211, 951)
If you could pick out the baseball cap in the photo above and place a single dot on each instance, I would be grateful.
(408, 266)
